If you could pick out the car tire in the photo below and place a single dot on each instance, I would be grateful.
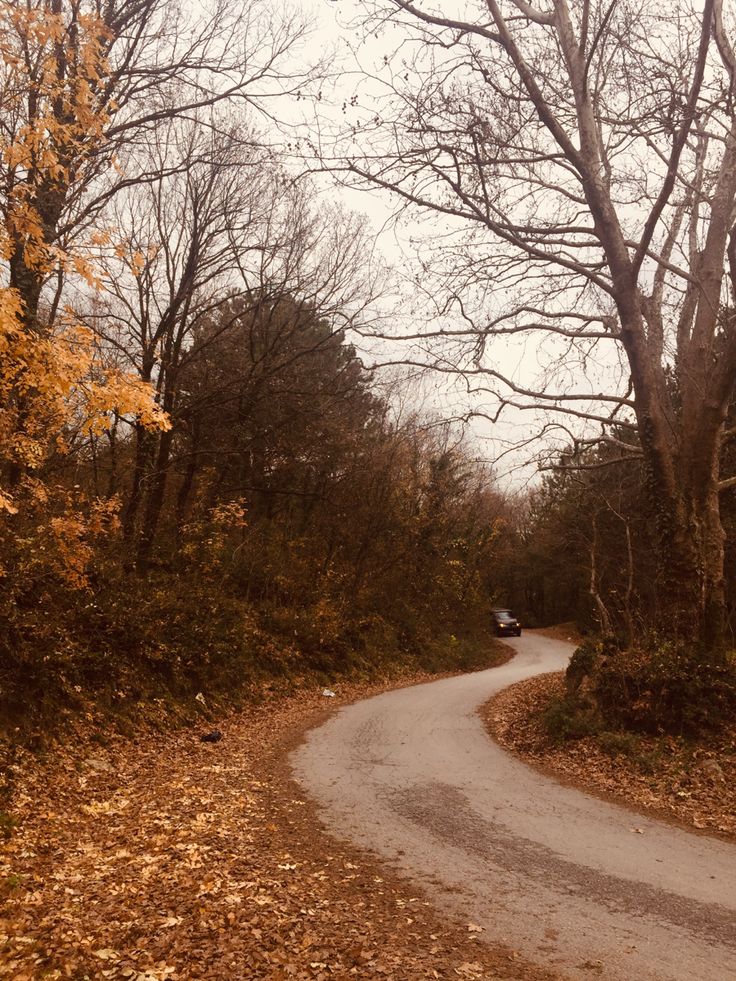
(518, 633)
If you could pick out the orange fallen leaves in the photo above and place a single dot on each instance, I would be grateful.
(170, 859)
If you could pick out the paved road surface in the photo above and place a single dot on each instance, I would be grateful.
(560, 876)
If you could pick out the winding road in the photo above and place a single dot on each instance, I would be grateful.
(585, 887)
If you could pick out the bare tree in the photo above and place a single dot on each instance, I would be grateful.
(181, 240)
(579, 158)
(222, 237)
(98, 79)
(83, 87)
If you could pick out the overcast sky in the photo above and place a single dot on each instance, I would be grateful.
(520, 358)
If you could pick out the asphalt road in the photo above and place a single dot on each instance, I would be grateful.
(586, 887)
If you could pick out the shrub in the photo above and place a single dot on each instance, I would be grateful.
(674, 688)
(585, 660)
(571, 718)
(619, 743)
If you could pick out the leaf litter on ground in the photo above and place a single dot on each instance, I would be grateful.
(165, 858)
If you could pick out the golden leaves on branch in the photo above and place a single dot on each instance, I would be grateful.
(55, 384)
(53, 388)
(55, 113)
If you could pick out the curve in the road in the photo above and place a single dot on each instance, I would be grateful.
(580, 884)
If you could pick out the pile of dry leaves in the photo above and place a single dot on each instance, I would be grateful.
(169, 858)
(694, 783)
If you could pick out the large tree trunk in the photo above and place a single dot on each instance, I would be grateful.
(691, 539)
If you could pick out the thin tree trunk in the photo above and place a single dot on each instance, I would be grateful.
(155, 498)
(630, 568)
(187, 484)
(112, 482)
(628, 619)
(143, 452)
(603, 616)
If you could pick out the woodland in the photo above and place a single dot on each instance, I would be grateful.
(202, 488)
(575, 161)
(205, 484)
(253, 468)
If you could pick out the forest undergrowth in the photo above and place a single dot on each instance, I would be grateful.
(690, 779)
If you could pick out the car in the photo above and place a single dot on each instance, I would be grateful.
(505, 623)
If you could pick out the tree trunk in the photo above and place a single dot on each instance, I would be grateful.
(604, 618)
(144, 447)
(691, 560)
(187, 484)
(155, 498)
(707, 531)
(112, 482)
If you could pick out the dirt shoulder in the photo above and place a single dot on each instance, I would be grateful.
(693, 784)
(168, 858)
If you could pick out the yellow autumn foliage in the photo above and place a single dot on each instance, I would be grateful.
(53, 114)
(55, 384)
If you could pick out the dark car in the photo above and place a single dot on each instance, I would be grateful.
(505, 623)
